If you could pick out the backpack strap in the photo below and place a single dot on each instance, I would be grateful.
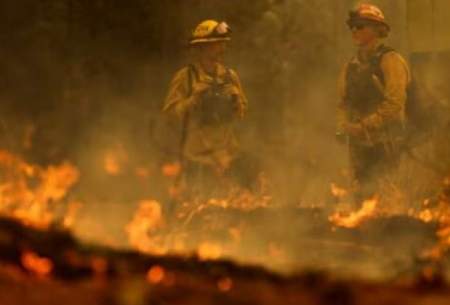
(192, 73)
(376, 59)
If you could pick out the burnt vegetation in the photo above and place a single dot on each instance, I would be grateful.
(84, 79)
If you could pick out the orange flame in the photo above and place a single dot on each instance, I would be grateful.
(441, 214)
(425, 215)
(155, 274)
(355, 218)
(146, 220)
(171, 169)
(337, 191)
(209, 251)
(40, 266)
(28, 192)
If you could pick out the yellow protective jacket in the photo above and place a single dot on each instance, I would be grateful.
(215, 145)
(388, 109)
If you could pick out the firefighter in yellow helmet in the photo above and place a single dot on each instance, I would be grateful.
(208, 100)
(373, 91)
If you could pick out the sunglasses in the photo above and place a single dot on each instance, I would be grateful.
(357, 26)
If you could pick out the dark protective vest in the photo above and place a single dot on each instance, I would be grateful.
(215, 107)
(363, 94)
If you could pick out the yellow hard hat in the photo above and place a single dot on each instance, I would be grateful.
(209, 31)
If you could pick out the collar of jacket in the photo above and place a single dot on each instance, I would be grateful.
(364, 56)
(203, 76)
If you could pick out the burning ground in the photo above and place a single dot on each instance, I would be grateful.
(206, 251)
(49, 267)
(90, 208)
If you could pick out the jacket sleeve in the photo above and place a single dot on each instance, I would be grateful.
(242, 99)
(396, 79)
(342, 117)
(177, 101)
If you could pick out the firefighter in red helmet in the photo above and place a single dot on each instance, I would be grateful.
(373, 92)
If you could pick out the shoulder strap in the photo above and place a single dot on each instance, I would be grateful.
(376, 59)
(192, 73)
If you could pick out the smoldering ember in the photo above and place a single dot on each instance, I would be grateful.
(225, 152)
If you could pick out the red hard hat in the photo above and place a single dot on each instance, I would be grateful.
(367, 12)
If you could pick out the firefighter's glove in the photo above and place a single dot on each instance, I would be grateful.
(233, 91)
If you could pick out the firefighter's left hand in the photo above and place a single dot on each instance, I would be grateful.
(354, 129)
(233, 91)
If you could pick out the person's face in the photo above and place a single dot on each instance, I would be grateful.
(214, 51)
(363, 34)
